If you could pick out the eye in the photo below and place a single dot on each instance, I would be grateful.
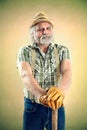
(39, 30)
(48, 28)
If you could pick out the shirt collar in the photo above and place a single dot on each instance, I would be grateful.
(51, 47)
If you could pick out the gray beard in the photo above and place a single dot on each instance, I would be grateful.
(46, 39)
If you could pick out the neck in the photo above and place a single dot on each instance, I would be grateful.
(43, 48)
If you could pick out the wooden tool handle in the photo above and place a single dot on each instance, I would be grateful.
(54, 119)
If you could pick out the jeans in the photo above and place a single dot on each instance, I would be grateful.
(38, 117)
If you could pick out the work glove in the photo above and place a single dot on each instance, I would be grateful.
(53, 98)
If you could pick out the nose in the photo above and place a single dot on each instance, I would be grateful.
(44, 31)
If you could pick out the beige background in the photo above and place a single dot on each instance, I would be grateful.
(70, 29)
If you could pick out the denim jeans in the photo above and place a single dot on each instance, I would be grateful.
(38, 117)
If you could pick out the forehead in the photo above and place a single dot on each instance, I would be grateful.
(43, 24)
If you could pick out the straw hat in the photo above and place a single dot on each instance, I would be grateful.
(40, 17)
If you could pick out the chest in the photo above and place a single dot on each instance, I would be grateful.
(45, 62)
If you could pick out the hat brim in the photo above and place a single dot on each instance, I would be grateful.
(41, 20)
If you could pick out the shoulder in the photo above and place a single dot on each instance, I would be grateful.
(25, 49)
(64, 52)
(24, 54)
(61, 47)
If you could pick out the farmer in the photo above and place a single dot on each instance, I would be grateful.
(45, 69)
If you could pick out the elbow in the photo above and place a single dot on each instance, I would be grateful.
(24, 74)
(25, 78)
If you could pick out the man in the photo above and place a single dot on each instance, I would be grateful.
(45, 69)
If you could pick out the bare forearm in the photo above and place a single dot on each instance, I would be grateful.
(29, 81)
(65, 82)
(66, 72)
(32, 85)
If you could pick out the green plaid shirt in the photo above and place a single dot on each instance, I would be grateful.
(45, 68)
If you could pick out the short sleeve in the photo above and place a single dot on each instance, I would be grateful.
(23, 55)
(65, 53)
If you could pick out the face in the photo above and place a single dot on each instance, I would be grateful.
(43, 33)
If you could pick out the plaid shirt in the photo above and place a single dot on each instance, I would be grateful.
(45, 68)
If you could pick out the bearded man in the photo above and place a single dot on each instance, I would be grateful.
(45, 69)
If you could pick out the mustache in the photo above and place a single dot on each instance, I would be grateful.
(45, 36)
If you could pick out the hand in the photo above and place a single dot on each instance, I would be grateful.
(53, 98)
(43, 100)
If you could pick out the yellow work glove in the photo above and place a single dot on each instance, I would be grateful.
(43, 100)
(53, 98)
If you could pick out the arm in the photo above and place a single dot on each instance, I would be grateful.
(29, 80)
(66, 75)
